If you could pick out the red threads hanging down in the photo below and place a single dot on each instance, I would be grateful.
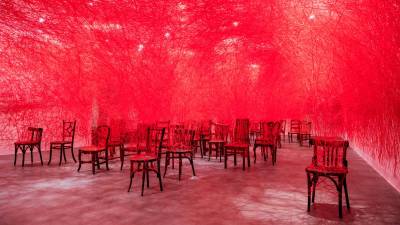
(336, 63)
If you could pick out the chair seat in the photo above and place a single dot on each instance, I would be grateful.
(327, 170)
(216, 141)
(236, 145)
(114, 143)
(260, 141)
(144, 157)
(91, 148)
(60, 142)
(26, 143)
(180, 150)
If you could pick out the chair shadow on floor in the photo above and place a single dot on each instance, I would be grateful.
(328, 211)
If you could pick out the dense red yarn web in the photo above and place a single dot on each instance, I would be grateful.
(334, 62)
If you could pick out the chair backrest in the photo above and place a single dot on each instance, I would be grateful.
(183, 137)
(102, 136)
(330, 153)
(241, 131)
(266, 128)
(35, 134)
(205, 129)
(68, 133)
(155, 138)
(220, 131)
(295, 126)
(141, 137)
(305, 127)
(167, 133)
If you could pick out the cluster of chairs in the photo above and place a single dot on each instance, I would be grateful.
(147, 145)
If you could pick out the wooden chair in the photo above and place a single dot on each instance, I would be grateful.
(136, 142)
(329, 161)
(219, 137)
(181, 148)
(117, 129)
(305, 132)
(144, 161)
(240, 143)
(205, 132)
(99, 145)
(34, 141)
(67, 141)
(255, 131)
(270, 132)
(294, 129)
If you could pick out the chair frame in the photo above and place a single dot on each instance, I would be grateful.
(294, 129)
(240, 143)
(218, 139)
(338, 177)
(35, 141)
(95, 158)
(64, 144)
(270, 133)
(145, 160)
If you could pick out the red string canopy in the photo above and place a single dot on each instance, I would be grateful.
(336, 63)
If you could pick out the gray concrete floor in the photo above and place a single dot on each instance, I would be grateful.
(264, 194)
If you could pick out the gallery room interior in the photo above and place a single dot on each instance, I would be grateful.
(199, 112)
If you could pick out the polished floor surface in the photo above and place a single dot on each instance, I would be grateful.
(263, 194)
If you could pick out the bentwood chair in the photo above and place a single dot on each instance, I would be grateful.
(240, 143)
(219, 136)
(270, 132)
(99, 145)
(181, 148)
(150, 155)
(136, 143)
(205, 132)
(294, 129)
(67, 141)
(329, 161)
(33, 141)
(305, 132)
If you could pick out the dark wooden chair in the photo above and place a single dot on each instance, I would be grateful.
(270, 132)
(181, 148)
(136, 142)
(219, 136)
(240, 143)
(67, 142)
(329, 161)
(99, 145)
(117, 131)
(205, 132)
(33, 141)
(305, 132)
(294, 130)
(255, 130)
(150, 155)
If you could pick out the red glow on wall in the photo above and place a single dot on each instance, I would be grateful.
(336, 63)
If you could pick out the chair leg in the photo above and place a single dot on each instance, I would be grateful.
(248, 157)
(93, 162)
(80, 160)
(122, 157)
(72, 153)
(40, 154)
(308, 190)
(180, 166)
(23, 156)
(132, 174)
(173, 160)
(234, 156)
(97, 160)
(210, 150)
(143, 177)
(221, 150)
(147, 173)
(244, 161)
(159, 175)
(192, 164)
(50, 154)
(346, 193)
(255, 155)
(314, 185)
(59, 163)
(166, 163)
(225, 159)
(16, 153)
(63, 150)
(107, 160)
(340, 190)
(31, 149)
